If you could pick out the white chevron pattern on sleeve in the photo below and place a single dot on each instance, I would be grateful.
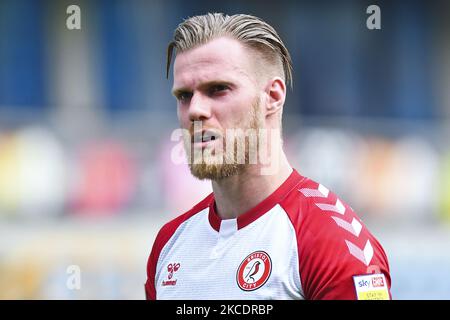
(354, 227)
(338, 207)
(320, 192)
(364, 255)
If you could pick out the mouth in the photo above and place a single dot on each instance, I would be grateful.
(204, 137)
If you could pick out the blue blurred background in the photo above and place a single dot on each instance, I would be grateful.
(86, 176)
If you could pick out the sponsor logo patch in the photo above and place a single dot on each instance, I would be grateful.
(371, 287)
(254, 271)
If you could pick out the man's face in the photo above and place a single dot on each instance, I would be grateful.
(216, 90)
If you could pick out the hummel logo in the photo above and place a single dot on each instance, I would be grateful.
(171, 268)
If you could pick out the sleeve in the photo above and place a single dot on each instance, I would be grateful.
(150, 289)
(334, 246)
(162, 238)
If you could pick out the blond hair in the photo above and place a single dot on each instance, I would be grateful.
(247, 29)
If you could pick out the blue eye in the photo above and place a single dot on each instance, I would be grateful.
(219, 88)
(184, 96)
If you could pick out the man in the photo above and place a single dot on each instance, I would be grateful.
(265, 232)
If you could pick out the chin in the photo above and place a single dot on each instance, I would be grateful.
(215, 172)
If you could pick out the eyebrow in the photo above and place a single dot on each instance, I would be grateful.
(176, 92)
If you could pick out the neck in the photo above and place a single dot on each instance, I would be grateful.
(237, 194)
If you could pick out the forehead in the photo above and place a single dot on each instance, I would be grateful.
(220, 59)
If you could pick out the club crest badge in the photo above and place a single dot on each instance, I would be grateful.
(254, 271)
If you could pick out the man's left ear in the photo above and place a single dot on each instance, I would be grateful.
(276, 94)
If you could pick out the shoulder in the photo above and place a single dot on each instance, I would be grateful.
(313, 207)
(333, 243)
(166, 232)
(303, 204)
(163, 236)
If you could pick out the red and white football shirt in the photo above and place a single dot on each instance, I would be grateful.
(301, 242)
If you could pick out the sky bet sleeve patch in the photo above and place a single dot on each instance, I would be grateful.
(371, 287)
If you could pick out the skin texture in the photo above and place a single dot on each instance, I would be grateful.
(219, 84)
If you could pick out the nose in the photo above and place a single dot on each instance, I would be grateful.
(199, 108)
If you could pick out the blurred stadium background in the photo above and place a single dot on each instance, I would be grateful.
(86, 117)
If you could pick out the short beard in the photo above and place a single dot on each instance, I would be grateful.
(229, 166)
